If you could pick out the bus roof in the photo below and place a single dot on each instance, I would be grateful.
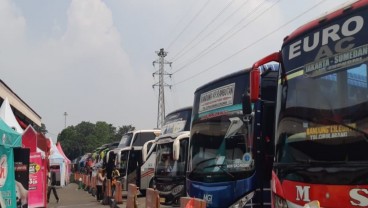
(180, 109)
(146, 130)
(224, 77)
(318, 22)
(117, 150)
(155, 131)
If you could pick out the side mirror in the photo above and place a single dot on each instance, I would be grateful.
(118, 159)
(235, 125)
(176, 144)
(255, 75)
(176, 149)
(246, 105)
(145, 149)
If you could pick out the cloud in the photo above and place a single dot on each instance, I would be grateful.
(85, 71)
(12, 26)
(94, 68)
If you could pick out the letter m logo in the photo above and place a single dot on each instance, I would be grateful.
(302, 193)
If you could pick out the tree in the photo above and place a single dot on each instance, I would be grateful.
(41, 129)
(72, 142)
(86, 137)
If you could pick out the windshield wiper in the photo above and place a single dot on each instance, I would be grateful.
(221, 166)
(213, 165)
(203, 161)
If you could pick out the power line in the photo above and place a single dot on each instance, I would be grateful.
(186, 27)
(252, 44)
(209, 49)
(211, 22)
(186, 12)
(212, 31)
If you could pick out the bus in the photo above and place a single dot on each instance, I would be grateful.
(321, 112)
(223, 161)
(171, 156)
(130, 158)
(138, 137)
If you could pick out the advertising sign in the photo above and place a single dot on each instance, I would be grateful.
(330, 132)
(217, 98)
(7, 178)
(37, 186)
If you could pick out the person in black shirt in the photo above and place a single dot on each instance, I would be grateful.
(51, 186)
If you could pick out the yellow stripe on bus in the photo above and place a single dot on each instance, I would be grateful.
(293, 75)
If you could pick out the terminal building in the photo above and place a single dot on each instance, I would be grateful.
(24, 114)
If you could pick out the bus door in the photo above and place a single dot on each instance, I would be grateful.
(134, 163)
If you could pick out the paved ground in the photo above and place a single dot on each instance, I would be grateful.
(70, 197)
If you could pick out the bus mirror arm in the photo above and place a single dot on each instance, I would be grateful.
(255, 74)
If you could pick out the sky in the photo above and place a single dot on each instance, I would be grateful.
(93, 59)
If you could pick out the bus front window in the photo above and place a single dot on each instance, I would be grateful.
(165, 162)
(220, 150)
(324, 117)
(125, 140)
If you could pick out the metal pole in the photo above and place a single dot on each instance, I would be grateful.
(65, 114)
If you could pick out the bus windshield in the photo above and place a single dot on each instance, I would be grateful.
(166, 166)
(125, 140)
(220, 150)
(321, 117)
(177, 122)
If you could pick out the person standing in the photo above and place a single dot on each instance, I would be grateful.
(115, 175)
(99, 184)
(51, 186)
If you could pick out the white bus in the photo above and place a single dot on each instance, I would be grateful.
(130, 158)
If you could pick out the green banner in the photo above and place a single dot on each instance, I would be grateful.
(7, 178)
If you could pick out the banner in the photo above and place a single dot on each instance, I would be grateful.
(37, 192)
(21, 164)
(7, 178)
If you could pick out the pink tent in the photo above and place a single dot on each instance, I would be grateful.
(38, 146)
(29, 139)
(67, 162)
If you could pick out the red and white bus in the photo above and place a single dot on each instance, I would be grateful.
(321, 126)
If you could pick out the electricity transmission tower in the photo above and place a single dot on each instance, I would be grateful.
(161, 85)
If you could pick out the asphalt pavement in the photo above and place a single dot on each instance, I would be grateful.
(72, 197)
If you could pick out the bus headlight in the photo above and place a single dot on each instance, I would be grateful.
(177, 189)
(241, 202)
(280, 202)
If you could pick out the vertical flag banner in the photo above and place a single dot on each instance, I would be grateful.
(36, 181)
(7, 178)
